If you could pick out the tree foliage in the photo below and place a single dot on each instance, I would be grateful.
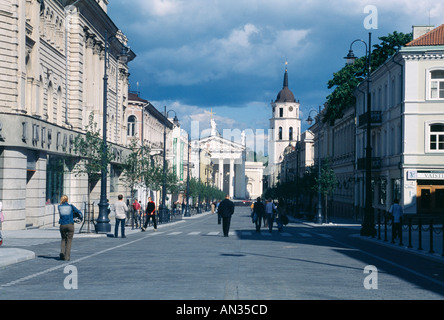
(88, 148)
(207, 193)
(327, 181)
(134, 165)
(347, 79)
(90, 157)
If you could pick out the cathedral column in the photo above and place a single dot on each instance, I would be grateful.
(221, 174)
(231, 179)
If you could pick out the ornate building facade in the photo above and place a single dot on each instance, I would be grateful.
(52, 67)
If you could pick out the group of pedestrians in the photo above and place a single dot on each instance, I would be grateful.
(69, 214)
(268, 213)
(260, 212)
(121, 211)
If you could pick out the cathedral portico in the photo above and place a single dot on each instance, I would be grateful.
(228, 158)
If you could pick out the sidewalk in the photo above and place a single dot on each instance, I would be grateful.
(11, 251)
(386, 239)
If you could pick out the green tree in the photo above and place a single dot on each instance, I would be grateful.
(347, 79)
(152, 177)
(88, 159)
(134, 166)
(326, 183)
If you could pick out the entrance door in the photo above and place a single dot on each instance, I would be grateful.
(439, 199)
(430, 199)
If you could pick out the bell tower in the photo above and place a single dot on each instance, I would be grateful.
(285, 127)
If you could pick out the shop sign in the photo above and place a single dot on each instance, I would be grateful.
(425, 175)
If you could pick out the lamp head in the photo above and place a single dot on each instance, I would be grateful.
(350, 58)
(309, 120)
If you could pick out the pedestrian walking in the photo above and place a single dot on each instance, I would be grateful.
(219, 217)
(226, 210)
(213, 208)
(270, 210)
(68, 214)
(136, 213)
(281, 215)
(258, 213)
(397, 212)
(121, 209)
(150, 214)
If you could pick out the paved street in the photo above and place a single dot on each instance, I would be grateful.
(191, 260)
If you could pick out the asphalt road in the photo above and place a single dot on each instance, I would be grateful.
(191, 260)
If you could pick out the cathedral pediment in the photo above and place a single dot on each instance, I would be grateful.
(217, 144)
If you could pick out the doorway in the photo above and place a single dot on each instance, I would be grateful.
(430, 198)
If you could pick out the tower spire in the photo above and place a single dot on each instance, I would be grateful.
(286, 76)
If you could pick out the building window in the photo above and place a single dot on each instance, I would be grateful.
(280, 133)
(114, 178)
(131, 130)
(437, 137)
(382, 191)
(290, 134)
(54, 179)
(281, 112)
(396, 189)
(437, 84)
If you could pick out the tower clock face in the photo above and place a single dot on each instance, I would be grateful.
(290, 109)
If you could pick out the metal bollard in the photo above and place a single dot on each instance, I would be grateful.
(420, 234)
(431, 237)
(400, 232)
(379, 224)
(442, 232)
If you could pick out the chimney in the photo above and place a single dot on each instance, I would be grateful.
(418, 31)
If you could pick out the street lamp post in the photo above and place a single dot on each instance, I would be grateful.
(175, 122)
(187, 208)
(319, 207)
(103, 225)
(368, 225)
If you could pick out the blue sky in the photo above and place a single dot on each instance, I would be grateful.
(194, 56)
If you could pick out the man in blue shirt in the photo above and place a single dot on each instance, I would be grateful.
(66, 221)
(397, 213)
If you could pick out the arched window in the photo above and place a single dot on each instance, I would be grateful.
(59, 111)
(50, 103)
(290, 134)
(131, 130)
(280, 133)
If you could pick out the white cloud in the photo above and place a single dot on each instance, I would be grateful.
(240, 37)
(160, 7)
(195, 43)
(190, 115)
(245, 50)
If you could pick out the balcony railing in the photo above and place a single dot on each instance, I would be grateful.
(376, 119)
(376, 163)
